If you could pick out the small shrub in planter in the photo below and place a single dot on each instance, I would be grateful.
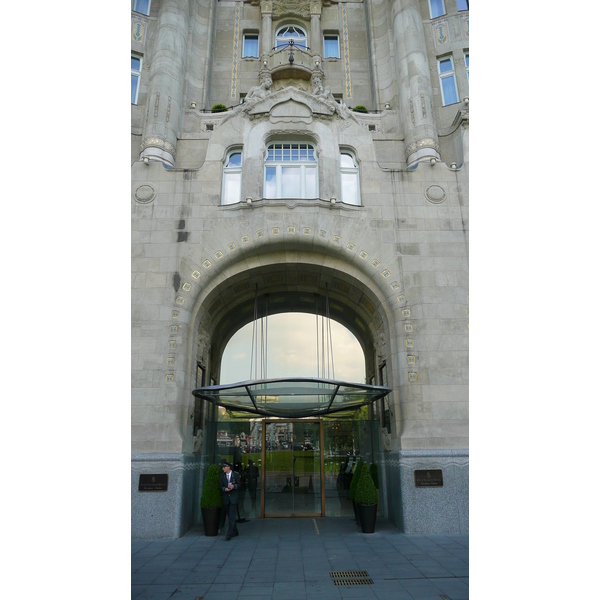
(211, 501)
(360, 108)
(218, 108)
(355, 477)
(374, 474)
(366, 498)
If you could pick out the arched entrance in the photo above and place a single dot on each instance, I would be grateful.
(292, 467)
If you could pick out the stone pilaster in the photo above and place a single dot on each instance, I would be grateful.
(316, 37)
(167, 76)
(414, 83)
(266, 33)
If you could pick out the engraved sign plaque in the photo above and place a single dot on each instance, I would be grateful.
(153, 483)
(429, 478)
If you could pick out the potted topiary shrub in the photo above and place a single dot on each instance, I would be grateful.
(374, 474)
(353, 484)
(211, 501)
(366, 497)
(360, 108)
(218, 108)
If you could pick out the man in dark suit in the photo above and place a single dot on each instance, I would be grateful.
(230, 484)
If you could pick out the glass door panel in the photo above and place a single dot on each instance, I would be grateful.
(292, 469)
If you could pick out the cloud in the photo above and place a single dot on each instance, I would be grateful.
(292, 350)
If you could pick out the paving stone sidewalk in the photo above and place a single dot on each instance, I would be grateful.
(292, 559)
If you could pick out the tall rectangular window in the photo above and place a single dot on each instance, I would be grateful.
(462, 4)
(142, 6)
(467, 64)
(436, 8)
(250, 45)
(331, 46)
(447, 81)
(136, 73)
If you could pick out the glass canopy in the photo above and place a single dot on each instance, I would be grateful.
(300, 397)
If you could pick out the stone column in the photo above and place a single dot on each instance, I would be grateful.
(266, 33)
(167, 74)
(414, 83)
(316, 39)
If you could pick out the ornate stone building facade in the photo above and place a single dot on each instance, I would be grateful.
(295, 189)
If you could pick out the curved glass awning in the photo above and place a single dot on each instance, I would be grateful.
(298, 397)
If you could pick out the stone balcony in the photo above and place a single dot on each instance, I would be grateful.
(292, 62)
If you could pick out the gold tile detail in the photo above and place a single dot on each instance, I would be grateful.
(196, 274)
(375, 263)
(411, 360)
(351, 246)
(169, 377)
(174, 328)
(412, 376)
(187, 286)
(260, 233)
(395, 285)
(179, 300)
(291, 229)
(175, 314)
(337, 239)
(231, 246)
(306, 230)
(406, 312)
(408, 327)
(401, 298)
(275, 231)
(172, 344)
(206, 264)
(322, 233)
(363, 254)
(218, 254)
(170, 361)
(245, 239)
(410, 343)
(385, 273)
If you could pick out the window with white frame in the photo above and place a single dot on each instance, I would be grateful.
(232, 178)
(349, 177)
(250, 49)
(289, 33)
(291, 171)
(436, 8)
(331, 45)
(462, 5)
(142, 6)
(467, 64)
(447, 81)
(136, 73)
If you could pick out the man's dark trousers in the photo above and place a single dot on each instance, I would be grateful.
(230, 500)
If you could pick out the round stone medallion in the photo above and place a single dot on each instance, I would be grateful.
(435, 194)
(144, 194)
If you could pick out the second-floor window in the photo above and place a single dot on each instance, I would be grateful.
(436, 8)
(447, 81)
(142, 6)
(289, 33)
(349, 175)
(232, 178)
(250, 45)
(331, 46)
(462, 4)
(136, 73)
(291, 171)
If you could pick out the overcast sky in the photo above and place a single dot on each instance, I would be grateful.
(292, 350)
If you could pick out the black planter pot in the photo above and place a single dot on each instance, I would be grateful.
(211, 518)
(368, 516)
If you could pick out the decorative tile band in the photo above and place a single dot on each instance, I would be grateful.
(236, 45)
(346, 51)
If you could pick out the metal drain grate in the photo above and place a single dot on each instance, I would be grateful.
(350, 577)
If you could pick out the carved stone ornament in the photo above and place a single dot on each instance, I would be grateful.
(157, 142)
(144, 194)
(424, 143)
(435, 194)
(300, 8)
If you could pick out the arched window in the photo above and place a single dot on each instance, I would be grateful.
(291, 171)
(232, 178)
(349, 177)
(290, 32)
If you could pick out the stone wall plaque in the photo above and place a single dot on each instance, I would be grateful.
(153, 482)
(429, 478)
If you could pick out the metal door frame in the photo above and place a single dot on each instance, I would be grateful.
(264, 462)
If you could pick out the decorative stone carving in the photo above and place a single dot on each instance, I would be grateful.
(144, 194)
(301, 8)
(157, 142)
(435, 194)
(424, 143)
